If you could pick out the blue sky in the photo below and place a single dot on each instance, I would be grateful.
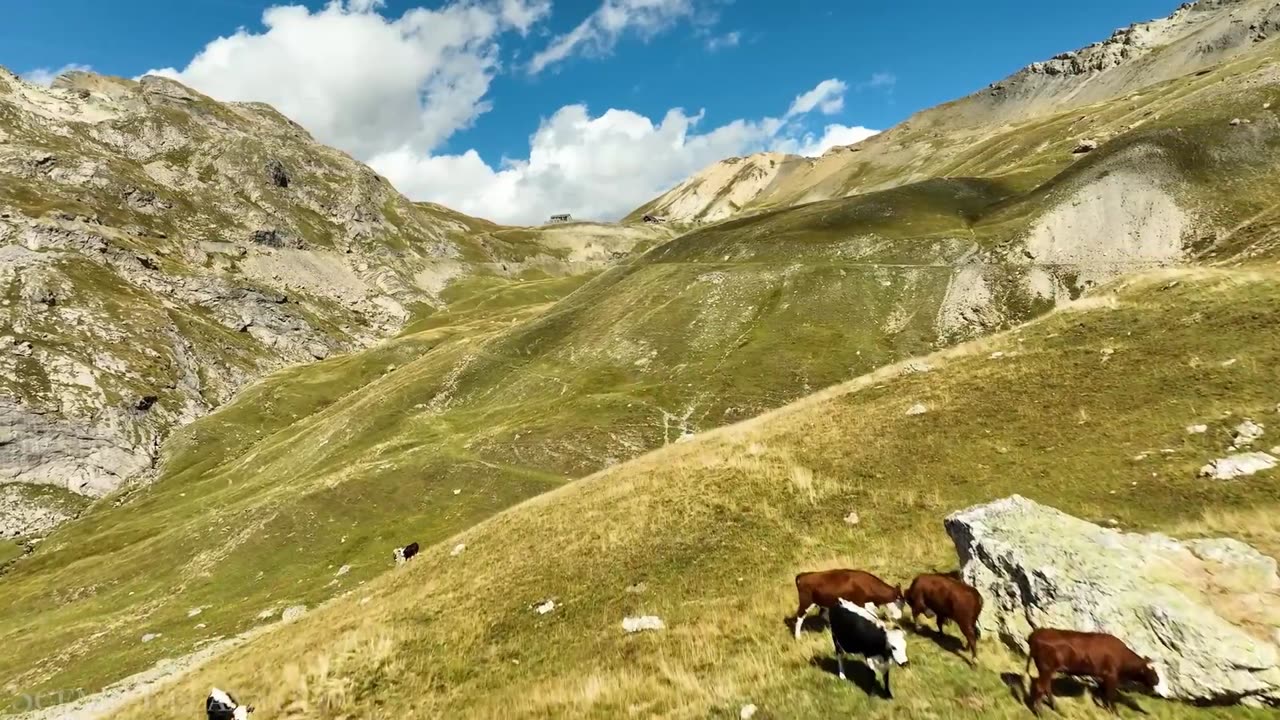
(436, 101)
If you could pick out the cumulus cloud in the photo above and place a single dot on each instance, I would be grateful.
(599, 33)
(601, 167)
(361, 81)
(391, 90)
(832, 136)
(827, 97)
(45, 76)
(594, 167)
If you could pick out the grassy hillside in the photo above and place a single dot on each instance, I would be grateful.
(531, 367)
(514, 388)
(159, 250)
(707, 534)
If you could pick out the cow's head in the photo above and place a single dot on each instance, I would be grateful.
(897, 646)
(242, 712)
(398, 554)
(1152, 678)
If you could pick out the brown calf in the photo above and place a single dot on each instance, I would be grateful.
(825, 588)
(1097, 655)
(947, 599)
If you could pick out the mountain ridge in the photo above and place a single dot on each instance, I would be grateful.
(1197, 35)
(162, 250)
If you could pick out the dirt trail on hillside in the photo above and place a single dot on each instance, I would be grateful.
(109, 700)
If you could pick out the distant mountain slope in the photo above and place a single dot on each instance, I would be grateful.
(1195, 37)
(721, 190)
(159, 250)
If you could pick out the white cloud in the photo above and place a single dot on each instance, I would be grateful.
(832, 136)
(598, 167)
(45, 76)
(827, 97)
(597, 35)
(720, 42)
(593, 167)
(391, 90)
(880, 81)
(361, 81)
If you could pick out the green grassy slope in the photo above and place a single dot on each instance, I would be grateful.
(708, 534)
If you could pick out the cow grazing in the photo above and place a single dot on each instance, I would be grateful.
(947, 599)
(1102, 657)
(403, 554)
(858, 631)
(221, 706)
(823, 589)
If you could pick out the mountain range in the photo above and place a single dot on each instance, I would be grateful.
(239, 368)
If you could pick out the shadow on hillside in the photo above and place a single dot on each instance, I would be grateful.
(854, 669)
(948, 643)
(812, 623)
(1064, 686)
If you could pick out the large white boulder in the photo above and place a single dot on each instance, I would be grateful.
(1207, 611)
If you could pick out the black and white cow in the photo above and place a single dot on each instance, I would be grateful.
(403, 554)
(221, 706)
(858, 631)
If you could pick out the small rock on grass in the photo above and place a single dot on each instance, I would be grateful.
(642, 623)
(1247, 432)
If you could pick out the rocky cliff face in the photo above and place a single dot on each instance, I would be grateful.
(159, 249)
(721, 190)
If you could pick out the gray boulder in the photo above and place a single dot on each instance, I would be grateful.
(1238, 465)
(1207, 611)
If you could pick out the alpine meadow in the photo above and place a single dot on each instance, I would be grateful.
(238, 369)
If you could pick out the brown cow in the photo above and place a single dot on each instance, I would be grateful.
(825, 588)
(947, 599)
(1097, 655)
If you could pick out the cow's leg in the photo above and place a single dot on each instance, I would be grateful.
(915, 609)
(1033, 698)
(1109, 682)
(840, 664)
(941, 621)
(888, 693)
(800, 615)
(971, 638)
(1043, 686)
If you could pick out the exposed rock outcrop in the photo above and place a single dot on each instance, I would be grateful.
(1238, 465)
(159, 250)
(1206, 610)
